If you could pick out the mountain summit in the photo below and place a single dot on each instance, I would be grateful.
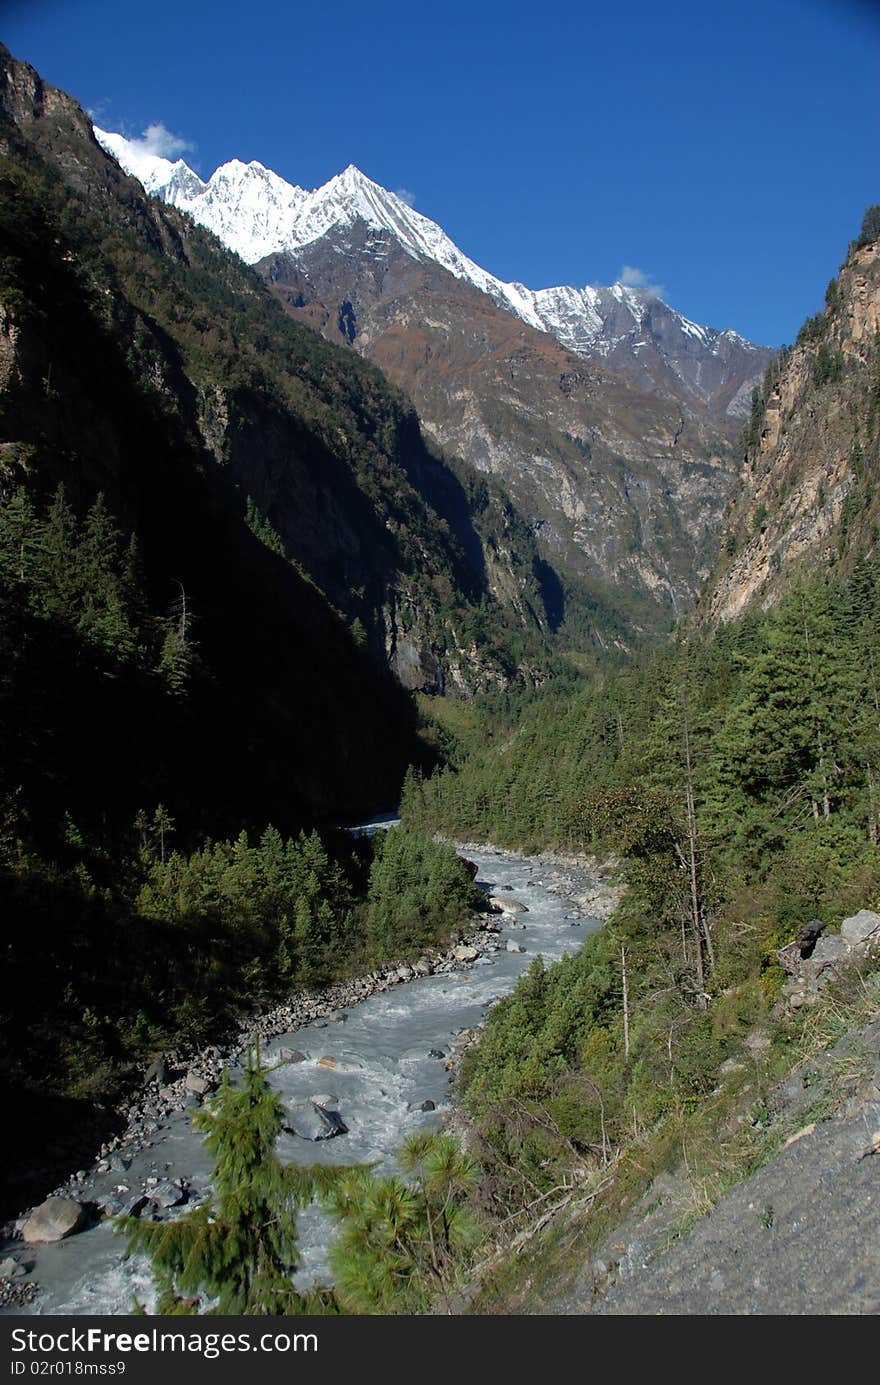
(256, 213)
(610, 418)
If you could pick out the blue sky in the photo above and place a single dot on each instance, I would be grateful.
(726, 152)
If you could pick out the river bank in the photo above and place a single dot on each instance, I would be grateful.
(180, 1078)
(589, 885)
(391, 1014)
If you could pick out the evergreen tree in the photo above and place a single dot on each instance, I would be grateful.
(402, 1243)
(240, 1248)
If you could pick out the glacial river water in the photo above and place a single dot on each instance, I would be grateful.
(383, 1073)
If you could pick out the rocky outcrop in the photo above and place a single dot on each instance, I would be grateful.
(621, 469)
(807, 496)
(799, 1237)
(811, 968)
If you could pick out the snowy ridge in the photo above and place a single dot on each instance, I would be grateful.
(256, 213)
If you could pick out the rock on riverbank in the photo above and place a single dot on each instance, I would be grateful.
(590, 886)
(182, 1079)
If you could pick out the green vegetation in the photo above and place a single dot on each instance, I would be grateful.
(91, 986)
(404, 1242)
(239, 1248)
(416, 886)
(760, 395)
(737, 776)
(870, 230)
(828, 365)
(206, 516)
(210, 521)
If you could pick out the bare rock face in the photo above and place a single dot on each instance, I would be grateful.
(196, 1084)
(620, 464)
(291, 1055)
(803, 494)
(54, 1219)
(861, 928)
(509, 906)
(463, 953)
(311, 1121)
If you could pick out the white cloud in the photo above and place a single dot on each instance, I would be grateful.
(406, 196)
(634, 278)
(146, 157)
(159, 141)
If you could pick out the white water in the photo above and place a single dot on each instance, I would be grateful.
(384, 1069)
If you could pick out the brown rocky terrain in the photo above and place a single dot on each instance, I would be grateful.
(806, 496)
(623, 471)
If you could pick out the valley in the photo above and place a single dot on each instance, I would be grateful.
(304, 513)
(611, 419)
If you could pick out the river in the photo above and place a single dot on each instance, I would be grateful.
(384, 1072)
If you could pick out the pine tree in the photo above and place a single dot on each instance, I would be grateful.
(240, 1248)
(400, 1243)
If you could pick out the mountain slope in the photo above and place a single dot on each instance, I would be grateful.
(276, 486)
(257, 214)
(808, 491)
(621, 467)
(619, 485)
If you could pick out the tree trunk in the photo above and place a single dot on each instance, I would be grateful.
(625, 1004)
(696, 905)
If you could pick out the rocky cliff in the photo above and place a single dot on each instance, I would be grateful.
(122, 296)
(621, 482)
(807, 491)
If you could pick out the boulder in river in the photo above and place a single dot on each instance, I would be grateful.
(327, 1062)
(514, 946)
(291, 1055)
(54, 1219)
(167, 1194)
(312, 1122)
(428, 1105)
(508, 906)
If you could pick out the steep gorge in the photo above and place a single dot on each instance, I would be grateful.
(420, 553)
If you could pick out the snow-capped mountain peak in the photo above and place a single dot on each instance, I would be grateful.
(151, 169)
(257, 213)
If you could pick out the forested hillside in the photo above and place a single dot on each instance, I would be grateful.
(735, 773)
(229, 558)
(224, 549)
